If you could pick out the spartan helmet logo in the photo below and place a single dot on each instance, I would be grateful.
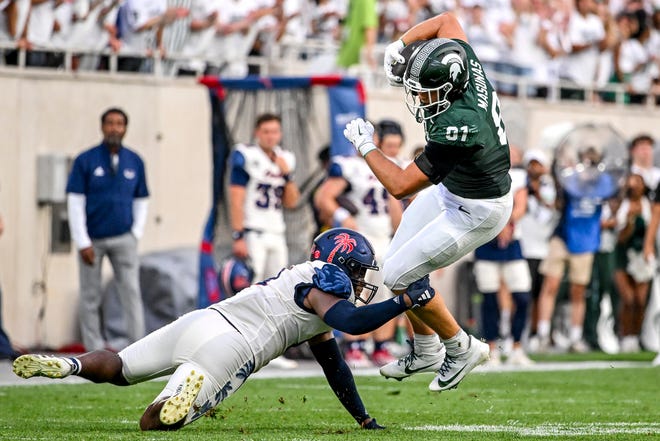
(456, 66)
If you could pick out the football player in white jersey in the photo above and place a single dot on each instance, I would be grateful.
(260, 187)
(378, 215)
(211, 352)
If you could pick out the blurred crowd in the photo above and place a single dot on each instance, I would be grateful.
(582, 43)
(588, 233)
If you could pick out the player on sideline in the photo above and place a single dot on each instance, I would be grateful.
(211, 352)
(466, 158)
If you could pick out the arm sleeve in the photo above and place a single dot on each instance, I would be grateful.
(340, 378)
(239, 176)
(78, 220)
(346, 317)
(437, 160)
(140, 209)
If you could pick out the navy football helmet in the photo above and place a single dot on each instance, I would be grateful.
(351, 252)
(234, 276)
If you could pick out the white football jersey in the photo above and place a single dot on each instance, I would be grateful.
(264, 190)
(269, 318)
(367, 194)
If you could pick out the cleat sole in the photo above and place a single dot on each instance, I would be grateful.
(30, 365)
(177, 407)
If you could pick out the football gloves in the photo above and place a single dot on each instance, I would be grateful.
(361, 134)
(420, 292)
(393, 56)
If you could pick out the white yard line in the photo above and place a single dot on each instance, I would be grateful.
(551, 429)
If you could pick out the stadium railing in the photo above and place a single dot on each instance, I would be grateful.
(291, 58)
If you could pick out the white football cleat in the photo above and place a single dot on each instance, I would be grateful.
(33, 365)
(177, 407)
(456, 367)
(412, 363)
(656, 360)
(519, 358)
(283, 363)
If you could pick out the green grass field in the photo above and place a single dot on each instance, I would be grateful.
(599, 404)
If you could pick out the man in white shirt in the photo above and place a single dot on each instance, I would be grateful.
(587, 36)
(141, 25)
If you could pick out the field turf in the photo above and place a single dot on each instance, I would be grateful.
(597, 404)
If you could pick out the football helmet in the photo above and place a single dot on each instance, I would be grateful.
(352, 253)
(436, 75)
(234, 276)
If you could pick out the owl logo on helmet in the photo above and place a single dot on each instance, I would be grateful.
(234, 276)
(352, 253)
(436, 75)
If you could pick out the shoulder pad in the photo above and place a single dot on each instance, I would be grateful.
(331, 279)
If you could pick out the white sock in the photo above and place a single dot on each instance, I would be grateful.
(458, 344)
(505, 323)
(427, 344)
(575, 333)
(75, 365)
(543, 328)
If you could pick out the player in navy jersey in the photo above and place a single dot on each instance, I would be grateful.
(211, 352)
(466, 160)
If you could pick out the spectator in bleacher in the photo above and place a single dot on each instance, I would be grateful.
(202, 28)
(574, 242)
(360, 30)
(325, 20)
(15, 15)
(235, 34)
(528, 56)
(587, 37)
(421, 10)
(94, 29)
(141, 25)
(641, 160)
(40, 25)
(537, 225)
(633, 65)
(633, 272)
(394, 18)
(484, 37)
(552, 37)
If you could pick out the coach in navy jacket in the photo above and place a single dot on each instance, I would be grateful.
(107, 205)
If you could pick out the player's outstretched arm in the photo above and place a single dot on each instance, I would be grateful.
(445, 25)
(340, 378)
(346, 317)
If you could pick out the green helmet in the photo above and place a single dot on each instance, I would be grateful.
(436, 75)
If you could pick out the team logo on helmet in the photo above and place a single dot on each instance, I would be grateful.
(456, 65)
(343, 243)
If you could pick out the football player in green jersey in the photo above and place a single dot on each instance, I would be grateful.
(465, 164)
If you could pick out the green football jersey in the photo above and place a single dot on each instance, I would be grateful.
(475, 120)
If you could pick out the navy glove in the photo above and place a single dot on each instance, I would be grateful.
(420, 292)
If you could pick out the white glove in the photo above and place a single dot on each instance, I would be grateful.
(393, 56)
(361, 134)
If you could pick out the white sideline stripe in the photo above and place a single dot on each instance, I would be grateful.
(552, 429)
(309, 369)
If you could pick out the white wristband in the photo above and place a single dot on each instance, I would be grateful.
(366, 148)
(340, 215)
